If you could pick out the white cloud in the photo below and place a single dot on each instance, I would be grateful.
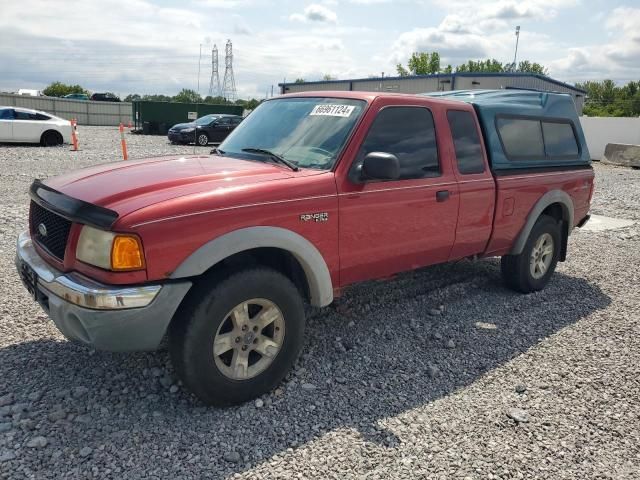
(315, 13)
(618, 59)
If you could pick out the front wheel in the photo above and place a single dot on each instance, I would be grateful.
(238, 339)
(203, 139)
(531, 270)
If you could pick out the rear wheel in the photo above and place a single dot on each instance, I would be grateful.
(203, 139)
(238, 339)
(531, 270)
(51, 138)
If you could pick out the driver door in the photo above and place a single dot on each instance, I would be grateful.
(220, 129)
(392, 226)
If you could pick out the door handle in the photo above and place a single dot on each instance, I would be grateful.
(442, 195)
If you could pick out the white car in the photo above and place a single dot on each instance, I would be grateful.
(21, 125)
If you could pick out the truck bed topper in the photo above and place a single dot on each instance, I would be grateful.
(542, 128)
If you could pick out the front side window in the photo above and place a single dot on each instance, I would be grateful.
(206, 120)
(409, 134)
(6, 114)
(309, 132)
(466, 141)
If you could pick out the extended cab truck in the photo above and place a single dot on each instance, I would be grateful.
(311, 193)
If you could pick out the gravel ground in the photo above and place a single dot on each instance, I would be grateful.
(440, 373)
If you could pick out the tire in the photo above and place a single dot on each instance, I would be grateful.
(202, 139)
(524, 273)
(209, 314)
(51, 138)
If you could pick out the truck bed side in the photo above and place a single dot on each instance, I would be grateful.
(518, 194)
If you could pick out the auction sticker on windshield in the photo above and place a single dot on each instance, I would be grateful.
(333, 110)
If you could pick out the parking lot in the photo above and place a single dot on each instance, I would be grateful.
(439, 373)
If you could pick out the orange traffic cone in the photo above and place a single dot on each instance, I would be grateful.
(74, 135)
(123, 143)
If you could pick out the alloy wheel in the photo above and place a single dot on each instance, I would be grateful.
(249, 339)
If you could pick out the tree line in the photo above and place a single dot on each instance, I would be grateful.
(59, 89)
(606, 99)
(428, 63)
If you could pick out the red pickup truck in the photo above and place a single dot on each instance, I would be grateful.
(311, 193)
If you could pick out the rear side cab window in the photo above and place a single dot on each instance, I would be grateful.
(409, 134)
(537, 138)
(40, 116)
(23, 115)
(466, 141)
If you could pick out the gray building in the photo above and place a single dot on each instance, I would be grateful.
(442, 82)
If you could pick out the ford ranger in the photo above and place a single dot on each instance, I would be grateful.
(311, 193)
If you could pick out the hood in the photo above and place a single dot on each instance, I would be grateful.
(129, 186)
(182, 126)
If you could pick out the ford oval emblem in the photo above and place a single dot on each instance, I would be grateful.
(42, 228)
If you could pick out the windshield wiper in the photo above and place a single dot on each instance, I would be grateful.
(274, 156)
(216, 151)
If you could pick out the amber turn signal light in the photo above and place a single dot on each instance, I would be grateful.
(126, 253)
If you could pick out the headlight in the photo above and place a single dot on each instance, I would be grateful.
(109, 250)
(188, 130)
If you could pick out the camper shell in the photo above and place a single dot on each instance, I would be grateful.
(526, 130)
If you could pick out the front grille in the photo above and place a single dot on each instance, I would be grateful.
(56, 230)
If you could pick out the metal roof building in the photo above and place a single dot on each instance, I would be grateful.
(443, 82)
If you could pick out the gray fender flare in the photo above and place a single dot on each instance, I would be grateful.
(311, 260)
(549, 198)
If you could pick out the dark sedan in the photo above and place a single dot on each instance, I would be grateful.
(212, 128)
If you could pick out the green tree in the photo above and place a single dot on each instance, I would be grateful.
(531, 67)
(132, 97)
(59, 89)
(403, 72)
(300, 80)
(424, 63)
(187, 96)
(215, 100)
(156, 98)
(481, 66)
(328, 77)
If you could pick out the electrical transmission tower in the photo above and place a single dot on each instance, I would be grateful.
(214, 84)
(229, 85)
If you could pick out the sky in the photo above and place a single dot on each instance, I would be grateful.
(152, 46)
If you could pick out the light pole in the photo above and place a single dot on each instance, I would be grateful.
(515, 55)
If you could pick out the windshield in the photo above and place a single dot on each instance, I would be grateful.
(308, 132)
(206, 120)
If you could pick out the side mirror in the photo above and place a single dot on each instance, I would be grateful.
(380, 166)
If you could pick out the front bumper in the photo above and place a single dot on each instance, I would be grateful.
(105, 317)
(179, 136)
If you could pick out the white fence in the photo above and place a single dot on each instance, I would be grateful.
(86, 112)
(602, 130)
